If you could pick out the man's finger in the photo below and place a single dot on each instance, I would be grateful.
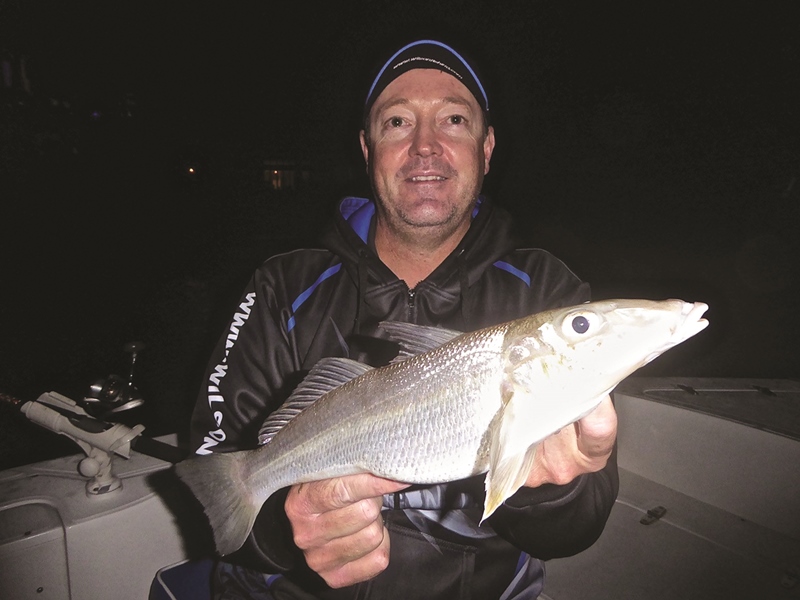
(343, 550)
(597, 431)
(354, 488)
(314, 529)
(360, 569)
(333, 494)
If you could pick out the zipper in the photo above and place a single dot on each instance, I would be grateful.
(412, 312)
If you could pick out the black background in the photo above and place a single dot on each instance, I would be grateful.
(654, 146)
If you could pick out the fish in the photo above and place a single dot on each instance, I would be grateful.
(451, 405)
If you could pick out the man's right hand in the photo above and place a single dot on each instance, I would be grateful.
(337, 523)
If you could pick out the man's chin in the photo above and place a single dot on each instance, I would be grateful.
(428, 218)
(428, 209)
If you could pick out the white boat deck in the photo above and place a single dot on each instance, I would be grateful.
(720, 456)
(59, 543)
(727, 473)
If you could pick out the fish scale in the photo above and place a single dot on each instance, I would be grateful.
(396, 427)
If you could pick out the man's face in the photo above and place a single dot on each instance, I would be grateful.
(427, 151)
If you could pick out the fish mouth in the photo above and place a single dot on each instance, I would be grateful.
(689, 323)
(692, 322)
(693, 311)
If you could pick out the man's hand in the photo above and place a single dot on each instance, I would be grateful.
(337, 523)
(583, 447)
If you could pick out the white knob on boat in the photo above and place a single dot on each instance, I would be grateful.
(89, 467)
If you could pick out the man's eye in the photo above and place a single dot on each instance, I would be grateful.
(457, 120)
(395, 122)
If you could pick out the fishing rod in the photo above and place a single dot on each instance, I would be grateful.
(90, 424)
(99, 439)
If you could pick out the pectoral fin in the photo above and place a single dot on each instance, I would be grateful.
(505, 478)
(512, 450)
(524, 422)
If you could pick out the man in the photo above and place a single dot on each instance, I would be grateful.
(428, 250)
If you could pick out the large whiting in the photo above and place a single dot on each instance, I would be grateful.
(451, 406)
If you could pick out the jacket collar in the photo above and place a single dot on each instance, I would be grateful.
(446, 289)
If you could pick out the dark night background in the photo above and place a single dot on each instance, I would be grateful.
(654, 146)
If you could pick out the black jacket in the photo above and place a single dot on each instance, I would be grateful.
(309, 304)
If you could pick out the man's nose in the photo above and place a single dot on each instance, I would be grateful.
(426, 140)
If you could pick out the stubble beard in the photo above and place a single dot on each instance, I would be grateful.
(424, 228)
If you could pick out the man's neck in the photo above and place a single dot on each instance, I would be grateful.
(412, 260)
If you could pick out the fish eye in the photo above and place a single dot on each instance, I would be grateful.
(580, 324)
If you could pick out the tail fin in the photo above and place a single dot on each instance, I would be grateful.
(218, 482)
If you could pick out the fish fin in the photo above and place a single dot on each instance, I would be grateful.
(328, 374)
(505, 478)
(512, 449)
(217, 481)
(514, 443)
(416, 339)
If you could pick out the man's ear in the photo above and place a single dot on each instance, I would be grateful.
(362, 136)
(488, 148)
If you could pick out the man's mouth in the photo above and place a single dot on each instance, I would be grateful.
(427, 178)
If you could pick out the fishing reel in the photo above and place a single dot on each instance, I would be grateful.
(93, 424)
(109, 397)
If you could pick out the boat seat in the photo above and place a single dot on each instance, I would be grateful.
(187, 580)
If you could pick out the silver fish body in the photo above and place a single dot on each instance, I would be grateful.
(458, 405)
(430, 413)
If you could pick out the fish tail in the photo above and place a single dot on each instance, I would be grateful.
(218, 481)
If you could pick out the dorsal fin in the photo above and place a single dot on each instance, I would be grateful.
(326, 375)
(416, 339)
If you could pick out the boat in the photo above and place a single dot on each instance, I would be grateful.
(707, 509)
(98, 524)
(709, 496)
